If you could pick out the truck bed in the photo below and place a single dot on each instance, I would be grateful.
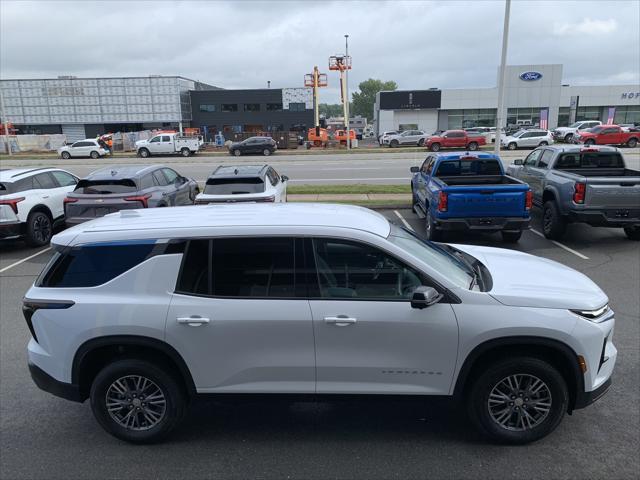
(474, 180)
(601, 172)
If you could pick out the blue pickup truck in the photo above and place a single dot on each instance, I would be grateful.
(469, 191)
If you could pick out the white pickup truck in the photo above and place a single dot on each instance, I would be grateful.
(168, 144)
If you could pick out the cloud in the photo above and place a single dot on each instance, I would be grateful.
(586, 27)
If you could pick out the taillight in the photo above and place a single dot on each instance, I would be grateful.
(579, 191)
(140, 198)
(69, 200)
(443, 200)
(590, 149)
(29, 307)
(528, 200)
(13, 203)
(272, 198)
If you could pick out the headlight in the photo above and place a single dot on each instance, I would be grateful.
(595, 316)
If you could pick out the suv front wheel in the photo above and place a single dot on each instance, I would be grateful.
(136, 401)
(518, 400)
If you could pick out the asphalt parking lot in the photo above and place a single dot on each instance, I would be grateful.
(42, 436)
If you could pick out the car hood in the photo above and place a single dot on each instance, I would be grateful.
(142, 142)
(524, 280)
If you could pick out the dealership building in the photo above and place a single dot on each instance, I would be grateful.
(533, 93)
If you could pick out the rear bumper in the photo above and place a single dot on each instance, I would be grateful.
(11, 229)
(491, 224)
(620, 217)
(46, 382)
(584, 399)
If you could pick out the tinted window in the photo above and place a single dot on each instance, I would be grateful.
(455, 134)
(352, 270)
(194, 275)
(589, 160)
(251, 107)
(207, 108)
(273, 177)
(233, 186)
(64, 179)
(297, 107)
(91, 265)
(545, 159)
(105, 187)
(44, 180)
(146, 182)
(160, 178)
(82, 144)
(170, 174)
(18, 186)
(274, 107)
(229, 107)
(154, 140)
(469, 167)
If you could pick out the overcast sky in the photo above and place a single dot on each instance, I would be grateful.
(242, 44)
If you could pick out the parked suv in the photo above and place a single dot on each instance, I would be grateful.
(244, 183)
(406, 138)
(125, 187)
(264, 145)
(31, 202)
(83, 148)
(527, 139)
(142, 311)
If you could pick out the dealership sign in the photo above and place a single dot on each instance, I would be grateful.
(630, 95)
(530, 76)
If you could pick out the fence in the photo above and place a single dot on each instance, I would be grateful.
(31, 143)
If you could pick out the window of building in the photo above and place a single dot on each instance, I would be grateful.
(297, 107)
(207, 108)
(274, 107)
(528, 115)
(407, 126)
(479, 117)
(229, 107)
(251, 107)
(627, 114)
(587, 113)
(563, 116)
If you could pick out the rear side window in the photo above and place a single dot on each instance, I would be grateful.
(233, 186)
(545, 159)
(45, 180)
(94, 264)
(105, 187)
(570, 161)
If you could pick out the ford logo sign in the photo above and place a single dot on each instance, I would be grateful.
(530, 76)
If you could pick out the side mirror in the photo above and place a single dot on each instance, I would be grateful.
(414, 169)
(284, 178)
(424, 297)
(518, 161)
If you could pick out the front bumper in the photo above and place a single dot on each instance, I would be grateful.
(46, 382)
(11, 229)
(614, 217)
(584, 399)
(489, 224)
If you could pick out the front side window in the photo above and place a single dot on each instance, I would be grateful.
(532, 158)
(171, 175)
(351, 270)
(154, 140)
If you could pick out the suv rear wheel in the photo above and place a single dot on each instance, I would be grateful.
(266, 152)
(512, 146)
(394, 143)
(65, 155)
(94, 155)
(39, 229)
(136, 401)
(518, 400)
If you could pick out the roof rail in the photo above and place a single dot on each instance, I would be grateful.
(30, 171)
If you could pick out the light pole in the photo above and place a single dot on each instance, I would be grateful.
(346, 120)
(501, 77)
(6, 123)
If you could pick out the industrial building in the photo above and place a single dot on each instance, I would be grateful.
(533, 93)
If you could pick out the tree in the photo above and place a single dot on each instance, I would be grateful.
(330, 110)
(364, 100)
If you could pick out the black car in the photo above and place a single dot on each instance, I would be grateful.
(264, 145)
(124, 187)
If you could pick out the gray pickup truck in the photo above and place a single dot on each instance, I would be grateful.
(578, 184)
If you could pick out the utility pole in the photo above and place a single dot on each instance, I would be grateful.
(501, 77)
(6, 123)
(346, 119)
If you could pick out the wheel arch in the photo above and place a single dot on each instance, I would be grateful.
(41, 207)
(95, 354)
(549, 194)
(555, 352)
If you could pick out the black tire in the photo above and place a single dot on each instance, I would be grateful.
(435, 147)
(94, 155)
(144, 153)
(39, 229)
(185, 152)
(543, 144)
(432, 232)
(530, 369)
(171, 390)
(632, 143)
(568, 137)
(633, 232)
(473, 146)
(553, 225)
(414, 201)
(394, 143)
(589, 141)
(266, 152)
(511, 237)
(236, 153)
(512, 146)
(421, 142)
(65, 155)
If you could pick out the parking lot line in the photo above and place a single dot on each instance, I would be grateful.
(570, 250)
(406, 224)
(24, 259)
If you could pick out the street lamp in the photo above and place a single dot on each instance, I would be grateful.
(501, 77)
(346, 120)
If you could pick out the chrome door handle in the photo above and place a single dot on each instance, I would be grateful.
(340, 320)
(193, 321)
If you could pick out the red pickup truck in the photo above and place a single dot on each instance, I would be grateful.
(607, 135)
(454, 139)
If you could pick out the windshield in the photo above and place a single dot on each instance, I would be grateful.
(233, 186)
(434, 255)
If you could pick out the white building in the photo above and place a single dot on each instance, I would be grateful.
(532, 92)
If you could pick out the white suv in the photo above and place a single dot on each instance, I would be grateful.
(83, 148)
(32, 201)
(140, 311)
(527, 139)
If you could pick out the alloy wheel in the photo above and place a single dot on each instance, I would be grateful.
(42, 228)
(135, 403)
(519, 402)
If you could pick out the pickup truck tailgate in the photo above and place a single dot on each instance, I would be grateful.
(617, 192)
(486, 201)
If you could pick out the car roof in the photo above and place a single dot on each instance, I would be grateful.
(458, 155)
(15, 174)
(119, 172)
(180, 222)
(231, 171)
(578, 148)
